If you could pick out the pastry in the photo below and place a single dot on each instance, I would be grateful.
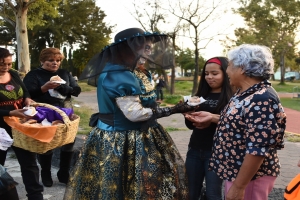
(30, 121)
(55, 78)
(30, 111)
(57, 122)
(194, 99)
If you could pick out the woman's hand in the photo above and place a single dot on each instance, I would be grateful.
(49, 85)
(19, 113)
(187, 113)
(235, 193)
(201, 119)
(28, 101)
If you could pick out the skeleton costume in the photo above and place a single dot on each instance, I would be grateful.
(128, 155)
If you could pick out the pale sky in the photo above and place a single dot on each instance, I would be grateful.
(118, 13)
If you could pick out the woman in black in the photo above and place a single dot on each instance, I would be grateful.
(13, 97)
(43, 90)
(214, 87)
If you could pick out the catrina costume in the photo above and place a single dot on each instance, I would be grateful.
(128, 155)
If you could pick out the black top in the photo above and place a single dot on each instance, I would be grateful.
(12, 95)
(202, 139)
(15, 77)
(38, 77)
(161, 83)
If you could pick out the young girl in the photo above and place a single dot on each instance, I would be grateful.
(214, 87)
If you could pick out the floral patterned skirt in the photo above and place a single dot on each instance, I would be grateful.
(128, 165)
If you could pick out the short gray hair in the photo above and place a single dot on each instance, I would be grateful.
(255, 60)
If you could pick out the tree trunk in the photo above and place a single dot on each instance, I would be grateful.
(22, 39)
(172, 87)
(282, 66)
(196, 72)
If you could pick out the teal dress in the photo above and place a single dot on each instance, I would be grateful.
(122, 159)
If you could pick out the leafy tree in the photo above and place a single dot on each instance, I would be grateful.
(16, 13)
(80, 24)
(186, 60)
(272, 23)
(297, 60)
(7, 34)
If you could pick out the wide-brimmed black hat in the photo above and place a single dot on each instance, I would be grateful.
(129, 33)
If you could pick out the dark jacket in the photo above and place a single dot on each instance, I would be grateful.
(161, 83)
(38, 77)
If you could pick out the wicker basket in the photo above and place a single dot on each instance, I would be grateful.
(65, 134)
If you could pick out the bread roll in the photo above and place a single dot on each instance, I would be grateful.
(194, 99)
(30, 111)
(36, 125)
(30, 121)
(55, 78)
(57, 122)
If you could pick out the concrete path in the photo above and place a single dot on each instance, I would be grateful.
(289, 156)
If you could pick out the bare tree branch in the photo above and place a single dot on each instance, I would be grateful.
(10, 4)
(196, 16)
(9, 20)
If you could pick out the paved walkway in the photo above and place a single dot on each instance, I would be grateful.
(289, 156)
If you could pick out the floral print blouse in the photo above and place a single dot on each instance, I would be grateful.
(252, 123)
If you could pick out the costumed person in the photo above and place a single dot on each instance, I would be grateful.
(128, 155)
(214, 87)
(13, 97)
(250, 128)
(44, 90)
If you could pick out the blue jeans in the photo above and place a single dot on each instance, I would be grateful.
(196, 164)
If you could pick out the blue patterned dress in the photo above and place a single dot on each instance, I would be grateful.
(122, 159)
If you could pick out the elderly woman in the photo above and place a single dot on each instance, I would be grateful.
(250, 128)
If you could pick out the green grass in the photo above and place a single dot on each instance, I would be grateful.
(288, 87)
(183, 87)
(85, 87)
(292, 103)
(170, 129)
(85, 114)
(292, 137)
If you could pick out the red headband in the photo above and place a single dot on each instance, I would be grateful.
(214, 60)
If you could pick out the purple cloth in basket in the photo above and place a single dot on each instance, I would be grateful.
(50, 115)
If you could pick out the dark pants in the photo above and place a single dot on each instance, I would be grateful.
(47, 157)
(197, 169)
(159, 93)
(65, 148)
(29, 171)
